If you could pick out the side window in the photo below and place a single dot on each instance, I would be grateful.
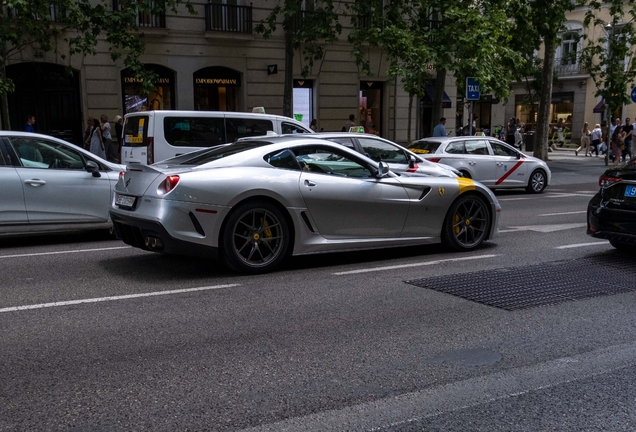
(330, 161)
(501, 150)
(476, 147)
(456, 147)
(194, 131)
(3, 161)
(38, 153)
(383, 151)
(347, 142)
(289, 128)
(284, 159)
(246, 127)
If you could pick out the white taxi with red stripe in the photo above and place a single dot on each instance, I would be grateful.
(488, 160)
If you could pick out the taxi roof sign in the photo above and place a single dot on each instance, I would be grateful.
(356, 129)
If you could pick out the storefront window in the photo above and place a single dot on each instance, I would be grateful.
(216, 89)
(135, 99)
(561, 108)
(370, 109)
(303, 101)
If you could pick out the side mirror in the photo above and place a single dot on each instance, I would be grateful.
(93, 168)
(412, 161)
(518, 155)
(383, 170)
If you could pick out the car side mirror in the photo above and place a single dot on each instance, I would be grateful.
(518, 155)
(93, 168)
(383, 169)
(411, 161)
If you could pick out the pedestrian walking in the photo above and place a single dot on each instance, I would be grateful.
(618, 142)
(628, 128)
(97, 143)
(106, 136)
(86, 141)
(28, 127)
(605, 128)
(511, 129)
(349, 124)
(314, 125)
(440, 130)
(597, 136)
(585, 139)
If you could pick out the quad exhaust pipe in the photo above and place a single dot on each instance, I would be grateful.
(153, 243)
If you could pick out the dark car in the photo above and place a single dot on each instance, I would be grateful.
(611, 213)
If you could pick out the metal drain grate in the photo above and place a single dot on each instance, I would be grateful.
(543, 284)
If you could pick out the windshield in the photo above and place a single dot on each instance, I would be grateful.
(424, 147)
(219, 152)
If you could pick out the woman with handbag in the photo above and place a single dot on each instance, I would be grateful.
(97, 143)
(597, 136)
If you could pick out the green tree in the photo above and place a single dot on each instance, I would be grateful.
(307, 26)
(74, 27)
(609, 59)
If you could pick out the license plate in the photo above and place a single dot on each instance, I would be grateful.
(630, 191)
(124, 200)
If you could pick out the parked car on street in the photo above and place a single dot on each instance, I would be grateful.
(253, 204)
(50, 185)
(611, 213)
(487, 160)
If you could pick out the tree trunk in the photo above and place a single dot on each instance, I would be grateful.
(289, 70)
(440, 83)
(408, 127)
(5, 124)
(545, 99)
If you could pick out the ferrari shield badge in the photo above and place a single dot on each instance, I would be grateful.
(441, 191)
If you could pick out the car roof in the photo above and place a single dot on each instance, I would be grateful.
(176, 113)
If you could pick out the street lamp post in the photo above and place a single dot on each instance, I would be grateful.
(610, 32)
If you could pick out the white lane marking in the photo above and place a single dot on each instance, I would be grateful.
(426, 263)
(564, 213)
(567, 195)
(113, 298)
(64, 252)
(512, 199)
(578, 245)
(545, 228)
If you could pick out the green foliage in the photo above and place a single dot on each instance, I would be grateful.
(74, 27)
(609, 59)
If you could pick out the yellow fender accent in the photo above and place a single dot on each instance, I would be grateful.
(465, 184)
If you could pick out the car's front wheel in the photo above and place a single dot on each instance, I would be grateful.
(256, 237)
(538, 181)
(467, 223)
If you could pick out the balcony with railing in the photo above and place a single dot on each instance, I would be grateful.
(54, 13)
(228, 18)
(144, 19)
(569, 66)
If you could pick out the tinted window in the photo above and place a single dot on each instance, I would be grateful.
(424, 147)
(289, 128)
(502, 150)
(383, 151)
(347, 142)
(330, 161)
(194, 131)
(219, 152)
(282, 159)
(456, 147)
(476, 147)
(136, 131)
(239, 128)
(38, 153)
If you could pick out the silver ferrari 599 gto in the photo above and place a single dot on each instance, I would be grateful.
(252, 204)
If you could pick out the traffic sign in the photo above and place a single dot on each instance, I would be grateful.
(634, 95)
(473, 91)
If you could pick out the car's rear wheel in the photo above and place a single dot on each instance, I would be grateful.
(467, 223)
(538, 181)
(256, 237)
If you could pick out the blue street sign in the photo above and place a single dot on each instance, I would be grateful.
(472, 89)
(634, 95)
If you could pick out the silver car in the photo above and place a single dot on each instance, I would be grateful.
(252, 204)
(487, 160)
(50, 185)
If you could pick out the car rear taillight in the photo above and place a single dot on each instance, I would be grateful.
(433, 159)
(168, 184)
(150, 152)
(121, 175)
(607, 181)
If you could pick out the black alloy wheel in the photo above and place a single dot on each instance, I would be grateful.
(467, 223)
(256, 237)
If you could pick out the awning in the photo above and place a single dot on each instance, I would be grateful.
(599, 107)
(430, 96)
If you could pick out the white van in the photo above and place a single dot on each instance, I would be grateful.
(152, 136)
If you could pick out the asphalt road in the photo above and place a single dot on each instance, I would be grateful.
(95, 335)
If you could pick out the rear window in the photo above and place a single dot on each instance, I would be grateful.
(424, 147)
(288, 128)
(246, 127)
(136, 131)
(194, 131)
(220, 152)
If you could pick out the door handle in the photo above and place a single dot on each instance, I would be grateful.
(35, 182)
(309, 183)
